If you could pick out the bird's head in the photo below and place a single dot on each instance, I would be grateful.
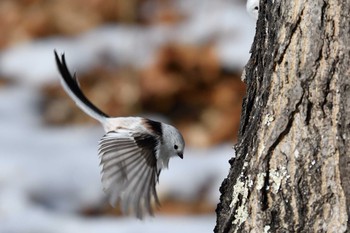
(173, 141)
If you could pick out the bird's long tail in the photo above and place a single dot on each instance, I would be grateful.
(71, 86)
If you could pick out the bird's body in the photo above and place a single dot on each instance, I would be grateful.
(132, 152)
(146, 126)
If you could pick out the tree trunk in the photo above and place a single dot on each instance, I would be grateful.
(291, 172)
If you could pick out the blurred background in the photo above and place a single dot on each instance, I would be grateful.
(177, 61)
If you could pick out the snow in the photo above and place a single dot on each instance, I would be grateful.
(228, 26)
(49, 174)
(70, 224)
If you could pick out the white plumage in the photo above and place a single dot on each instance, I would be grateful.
(252, 7)
(132, 152)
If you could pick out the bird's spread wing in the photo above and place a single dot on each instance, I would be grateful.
(129, 170)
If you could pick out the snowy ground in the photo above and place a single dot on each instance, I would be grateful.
(228, 26)
(48, 174)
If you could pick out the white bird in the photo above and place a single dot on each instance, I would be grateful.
(133, 151)
(252, 7)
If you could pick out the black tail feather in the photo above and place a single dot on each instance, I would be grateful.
(72, 83)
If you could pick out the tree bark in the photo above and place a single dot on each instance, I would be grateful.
(291, 172)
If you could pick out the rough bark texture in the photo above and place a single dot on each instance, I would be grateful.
(292, 167)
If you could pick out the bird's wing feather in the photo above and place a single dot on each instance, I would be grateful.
(129, 169)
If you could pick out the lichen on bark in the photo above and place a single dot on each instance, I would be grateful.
(292, 156)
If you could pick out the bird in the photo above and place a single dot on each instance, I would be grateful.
(132, 152)
(252, 7)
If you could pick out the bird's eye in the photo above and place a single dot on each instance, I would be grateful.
(175, 147)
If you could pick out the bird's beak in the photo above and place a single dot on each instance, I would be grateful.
(181, 155)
